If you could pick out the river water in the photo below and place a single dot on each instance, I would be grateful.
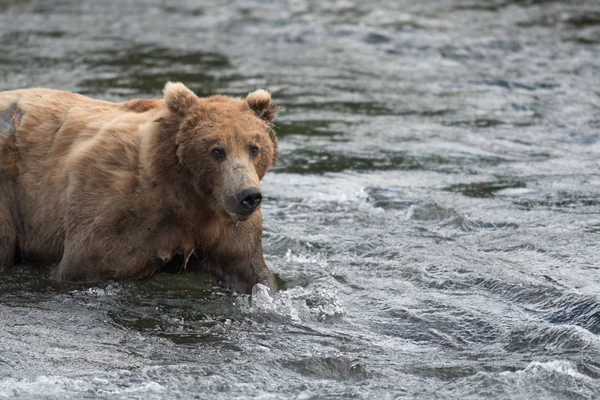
(435, 213)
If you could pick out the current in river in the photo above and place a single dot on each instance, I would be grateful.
(434, 216)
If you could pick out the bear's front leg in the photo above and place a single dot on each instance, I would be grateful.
(242, 276)
(8, 238)
(238, 275)
(236, 259)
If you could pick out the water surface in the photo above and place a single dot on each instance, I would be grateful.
(434, 215)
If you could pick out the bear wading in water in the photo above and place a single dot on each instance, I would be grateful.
(120, 190)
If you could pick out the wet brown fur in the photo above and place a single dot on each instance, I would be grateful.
(118, 190)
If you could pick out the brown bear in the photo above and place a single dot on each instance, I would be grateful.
(118, 190)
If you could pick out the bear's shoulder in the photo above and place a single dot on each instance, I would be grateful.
(140, 105)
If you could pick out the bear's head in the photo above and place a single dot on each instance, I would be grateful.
(225, 145)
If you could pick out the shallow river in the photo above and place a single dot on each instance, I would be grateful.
(435, 214)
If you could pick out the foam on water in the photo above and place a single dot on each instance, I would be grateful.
(296, 304)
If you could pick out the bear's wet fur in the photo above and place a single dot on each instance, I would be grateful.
(119, 190)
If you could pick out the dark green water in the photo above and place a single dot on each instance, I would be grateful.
(435, 213)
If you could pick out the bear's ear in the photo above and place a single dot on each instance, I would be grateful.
(259, 101)
(179, 98)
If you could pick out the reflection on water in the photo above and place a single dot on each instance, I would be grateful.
(485, 189)
(141, 69)
(433, 218)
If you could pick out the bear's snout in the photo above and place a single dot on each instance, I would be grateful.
(249, 199)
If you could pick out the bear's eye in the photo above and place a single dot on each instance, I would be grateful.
(218, 154)
(254, 150)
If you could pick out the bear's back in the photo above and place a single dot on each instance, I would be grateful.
(51, 124)
(52, 136)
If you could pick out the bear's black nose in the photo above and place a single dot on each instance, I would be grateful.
(250, 199)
